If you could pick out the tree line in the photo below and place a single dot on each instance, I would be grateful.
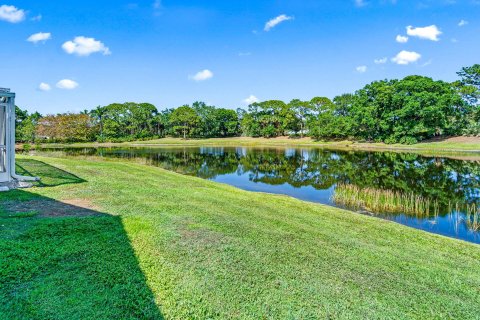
(406, 111)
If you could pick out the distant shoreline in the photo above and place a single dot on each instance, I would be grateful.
(469, 145)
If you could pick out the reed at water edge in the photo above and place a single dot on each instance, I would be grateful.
(472, 217)
(379, 201)
(384, 201)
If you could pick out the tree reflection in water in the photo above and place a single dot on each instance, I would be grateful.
(304, 172)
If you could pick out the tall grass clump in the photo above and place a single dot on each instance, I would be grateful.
(472, 217)
(384, 201)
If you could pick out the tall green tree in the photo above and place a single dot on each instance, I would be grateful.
(324, 122)
(250, 120)
(162, 122)
(184, 119)
(406, 111)
(469, 87)
(141, 118)
(226, 123)
(206, 114)
(470, 75)
(272, 116)
(98, 115)
(303, 111)
(25, 125)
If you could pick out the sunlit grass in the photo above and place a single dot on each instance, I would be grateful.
(167, 245)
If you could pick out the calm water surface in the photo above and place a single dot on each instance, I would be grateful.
(312, 174)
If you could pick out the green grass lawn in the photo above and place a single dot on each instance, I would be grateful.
(110, 240)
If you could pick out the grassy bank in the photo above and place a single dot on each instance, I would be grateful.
(122, 240)
(450, 145)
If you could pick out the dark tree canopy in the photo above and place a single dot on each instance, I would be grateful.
(185, 120)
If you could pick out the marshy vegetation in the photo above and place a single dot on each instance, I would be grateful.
(472, 216)
(384, 201)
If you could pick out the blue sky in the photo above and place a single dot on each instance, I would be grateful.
(81, 54)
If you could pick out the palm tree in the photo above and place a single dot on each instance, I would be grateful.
(98, 114)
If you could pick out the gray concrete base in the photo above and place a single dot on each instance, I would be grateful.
(6, 186)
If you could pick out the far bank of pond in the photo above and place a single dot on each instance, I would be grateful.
(456, 146)
(451, 187)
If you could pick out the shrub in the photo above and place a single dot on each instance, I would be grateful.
(408, 140)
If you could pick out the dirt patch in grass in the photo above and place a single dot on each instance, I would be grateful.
(199, 237)
(50, 208)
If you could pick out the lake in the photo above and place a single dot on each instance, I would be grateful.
(313, 175)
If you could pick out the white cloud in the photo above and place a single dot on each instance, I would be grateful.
(83, 46)
(67, 84)
(429, 62)
(250, 100)
(381, 60)
(428, 33)
(202, 75)
(11, 14)
(361, 69)
(363, 3)
(276, 21)
(406, 57)
(37, 18)
(41, 36)
(462, 23)
(401, 39)
(44, 87)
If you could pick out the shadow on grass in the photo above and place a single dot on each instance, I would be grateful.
(66, 261)
(50, 176)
